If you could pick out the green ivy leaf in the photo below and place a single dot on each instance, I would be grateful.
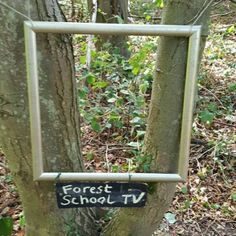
(90, 78)
(119, 19)
(96, 126)
(22, 221)
(6, 226)
(136, 70)
(233, 197)
(184, 189)
(100, 84)
(148, 17)
(82, 60)
(160, 3)
(206, 116)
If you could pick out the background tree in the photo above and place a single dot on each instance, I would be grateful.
(114, 11)
(60, 121)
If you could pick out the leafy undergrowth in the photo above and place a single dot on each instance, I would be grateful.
(113, 104)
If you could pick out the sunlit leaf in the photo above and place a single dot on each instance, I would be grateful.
(111, 100)
(134, 144)
(90, 78)
(100, 84)
(206, 116)
(170, 217)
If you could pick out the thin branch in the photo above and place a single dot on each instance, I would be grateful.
(223, 123)
(203, 11)
(143, 17)
(223, 14)
(217, 3)
(207, 90)
(200, 13)
(106, 156)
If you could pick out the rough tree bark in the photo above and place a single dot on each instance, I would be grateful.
(61, 124)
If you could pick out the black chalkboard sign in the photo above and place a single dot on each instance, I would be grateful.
(73, 195)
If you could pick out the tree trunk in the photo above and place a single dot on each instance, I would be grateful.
(114, 11)
(163, 130)
(60, 120)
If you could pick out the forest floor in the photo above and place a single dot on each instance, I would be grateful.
(206, 203)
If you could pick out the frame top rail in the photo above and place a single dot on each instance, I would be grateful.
(101, 28)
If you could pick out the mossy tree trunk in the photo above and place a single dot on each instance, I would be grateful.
(60, 120)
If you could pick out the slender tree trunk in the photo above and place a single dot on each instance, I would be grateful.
(60, 120)
(163, 130)
(114, 11)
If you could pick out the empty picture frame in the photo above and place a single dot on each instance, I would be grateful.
(193, 33)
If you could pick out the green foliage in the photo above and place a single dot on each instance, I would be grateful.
(233, 197)
(159, 3)
(151, 188)
(75, 10)
(208, 113)
(6, 226)
(22, 221)
(184, 189)
(146, 11)
(231, 30)
(206, 116)
(114, 94)
(143, 162)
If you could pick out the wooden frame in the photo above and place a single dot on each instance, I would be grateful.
(191, 32)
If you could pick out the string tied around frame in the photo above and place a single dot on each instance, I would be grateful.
(18, 12)
(57, 179)
(129, 167)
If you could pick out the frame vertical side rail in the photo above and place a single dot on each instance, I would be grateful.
(188, 105)
(34, 105)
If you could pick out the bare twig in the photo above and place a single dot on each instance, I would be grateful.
(201, 12)
(222, 123)
(143, 17)
(223, 14)
(215, 4)
(106, 157)
(210, 92)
